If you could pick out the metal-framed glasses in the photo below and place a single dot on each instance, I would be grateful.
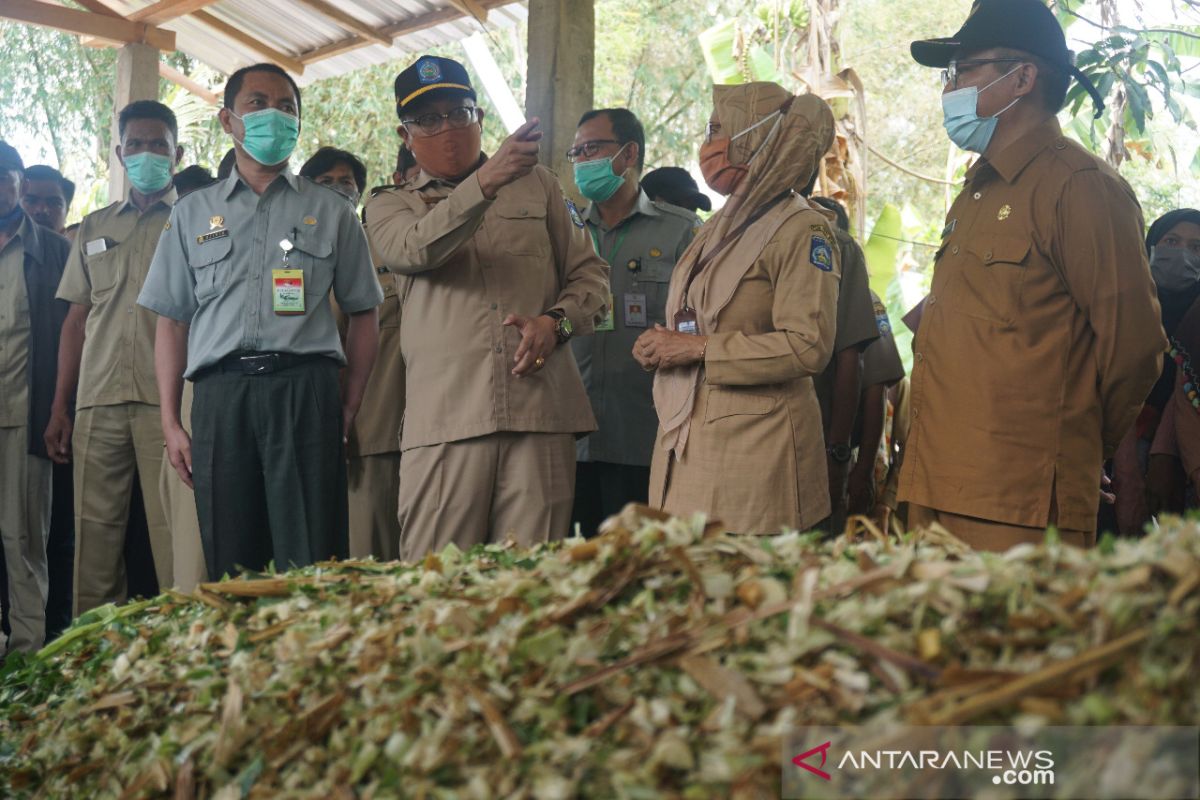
(710, 130)
(432, 122)
(588, 150)
(956, 67)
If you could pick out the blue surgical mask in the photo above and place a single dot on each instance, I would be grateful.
(961, 117)
(148, 172)
(270, 136)
(596, 179)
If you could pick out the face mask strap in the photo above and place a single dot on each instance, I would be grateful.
(776, 115)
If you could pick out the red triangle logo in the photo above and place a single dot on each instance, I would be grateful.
(823, 749)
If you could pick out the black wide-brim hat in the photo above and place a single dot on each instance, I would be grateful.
(1025, 25)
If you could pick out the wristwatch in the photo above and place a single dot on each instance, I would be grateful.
(840, 453)
(562, 326)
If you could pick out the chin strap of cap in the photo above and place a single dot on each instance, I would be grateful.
(1086, 83)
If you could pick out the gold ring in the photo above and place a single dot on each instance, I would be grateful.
(540, 362)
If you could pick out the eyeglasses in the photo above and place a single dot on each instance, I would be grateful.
(710, 130)
(955, 68)
(432, 123)
(588, 149)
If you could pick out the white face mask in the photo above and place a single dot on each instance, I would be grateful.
(1174, 269)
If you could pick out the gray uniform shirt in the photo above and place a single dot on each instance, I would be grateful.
(213, 268)
(641, 250)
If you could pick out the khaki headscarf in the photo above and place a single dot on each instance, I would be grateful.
(782, 155)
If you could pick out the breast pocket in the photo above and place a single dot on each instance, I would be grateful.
(104, 272)
(313, 253)
(655, 281)
(211, 267)
(991, 277)
(521, 229)
(389, 310)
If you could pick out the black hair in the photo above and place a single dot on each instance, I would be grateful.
(626, 127)
(234, 84)
(148, 109)
(1163, 224)
(843, 219)
(405, 160)
(327, 158)
(42, 172)
(189, 179)
(225, 168)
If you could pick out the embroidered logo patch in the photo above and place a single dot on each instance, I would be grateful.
(576, 217)
(881, 319)
(820, 254)
(429, 71)
(1004, 212)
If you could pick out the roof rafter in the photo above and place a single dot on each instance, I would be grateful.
(111, 28)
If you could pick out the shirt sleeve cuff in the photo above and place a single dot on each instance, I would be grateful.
(166, 309)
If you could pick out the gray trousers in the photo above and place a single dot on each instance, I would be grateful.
(24, 526)
(269, 468)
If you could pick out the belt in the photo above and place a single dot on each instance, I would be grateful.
(260, 363)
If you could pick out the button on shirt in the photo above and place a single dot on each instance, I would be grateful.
(1042, 344)
(118, 352)
(213, 268)
(14, 331)
(466, 263)
(641, 252)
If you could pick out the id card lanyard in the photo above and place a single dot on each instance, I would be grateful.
(607, 323)
(287, 285)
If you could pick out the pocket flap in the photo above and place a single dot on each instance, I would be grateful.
(313, 244)
(521, 210)
(725, 403)
(210, 252)
(1000, 249)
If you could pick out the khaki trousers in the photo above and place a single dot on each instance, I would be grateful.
(109, 444)
(374, 484)
(179, 505)
(24, 527)
(486, 489)
(983, 534)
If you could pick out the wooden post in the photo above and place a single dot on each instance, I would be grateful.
(559, 79)
(137, 79)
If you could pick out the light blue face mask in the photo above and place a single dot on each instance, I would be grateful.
(961, 117)
(270, 136)
(148, 172)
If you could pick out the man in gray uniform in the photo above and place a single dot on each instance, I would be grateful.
(241, 283)
(641, 240)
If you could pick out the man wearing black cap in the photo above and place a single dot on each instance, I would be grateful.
(31, 264)
(676, 186)
(1022, 380)
(498, 274)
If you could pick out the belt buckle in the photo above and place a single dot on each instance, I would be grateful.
(258, 365)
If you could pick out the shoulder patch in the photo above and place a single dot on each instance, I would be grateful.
(820, 254)
(573, 209)
(881, 319)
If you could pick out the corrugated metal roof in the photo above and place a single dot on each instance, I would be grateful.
(296, 29)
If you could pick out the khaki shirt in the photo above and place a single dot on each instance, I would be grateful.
(641, 251)
(376, 429)
(1025, 370)
(856, 324)
(118, 352)
(467, 263)
(213, 268)
(14, 332)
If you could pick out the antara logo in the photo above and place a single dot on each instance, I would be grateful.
(823, 749)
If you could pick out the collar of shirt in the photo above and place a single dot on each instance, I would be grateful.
(167, 199)
(24, 236)
(1012, 160)
(644, 205)
(235, 180)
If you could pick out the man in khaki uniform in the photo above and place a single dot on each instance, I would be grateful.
(497, 274)
(31, 262)
(1024, 374)
(107, 351)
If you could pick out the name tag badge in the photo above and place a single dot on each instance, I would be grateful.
(288, 294)
(685, 321)
(607, 323)
(208, 237)
(635, 310)
(95, 247)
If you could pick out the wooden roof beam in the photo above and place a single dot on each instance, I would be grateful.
(87, 23)
(190, 84)
(167, 10)
(470, 8)
(395, 31)
(238, 35)
(348, 22)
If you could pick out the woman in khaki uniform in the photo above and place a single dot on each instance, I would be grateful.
(739, 424)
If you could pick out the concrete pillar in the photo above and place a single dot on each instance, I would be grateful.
(560, 75)
(137, 79)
